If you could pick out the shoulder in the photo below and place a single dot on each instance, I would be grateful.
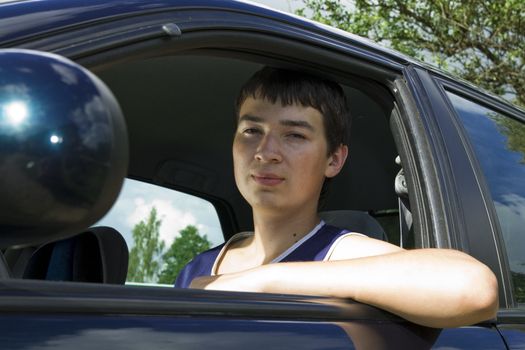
(201, 265)
(352, 245)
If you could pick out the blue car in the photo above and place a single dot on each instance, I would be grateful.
(94, 94)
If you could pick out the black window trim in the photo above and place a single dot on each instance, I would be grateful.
(411, 140)
(444, 220)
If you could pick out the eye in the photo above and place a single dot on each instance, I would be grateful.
(251, 131)
(297, 136)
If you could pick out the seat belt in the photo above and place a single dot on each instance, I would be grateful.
(405, 215)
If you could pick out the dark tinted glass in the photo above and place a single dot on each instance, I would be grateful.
(499, 142)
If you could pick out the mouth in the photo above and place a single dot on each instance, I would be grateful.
(267, 179)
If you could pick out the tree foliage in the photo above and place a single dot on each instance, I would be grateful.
(144, 264)
(482, 41)
(515, 132)
(184, 248)
(519, 286)
(147, 258)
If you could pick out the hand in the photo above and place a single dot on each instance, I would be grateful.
(204, 282)
(245, 281)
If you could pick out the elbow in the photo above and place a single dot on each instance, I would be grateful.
(489, 300)
(481, 295)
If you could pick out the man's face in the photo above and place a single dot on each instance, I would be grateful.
(280, 155)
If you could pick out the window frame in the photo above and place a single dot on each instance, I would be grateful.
(201, 42)
(504, 108)
(93, 44)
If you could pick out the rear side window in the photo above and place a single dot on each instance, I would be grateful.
(164, 229)
(499, 142)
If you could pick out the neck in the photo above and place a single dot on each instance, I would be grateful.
(276, 233)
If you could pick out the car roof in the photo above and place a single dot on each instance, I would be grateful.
(23, 18)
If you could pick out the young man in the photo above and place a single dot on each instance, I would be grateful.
(290, 140)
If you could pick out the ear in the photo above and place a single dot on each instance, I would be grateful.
(336, 161)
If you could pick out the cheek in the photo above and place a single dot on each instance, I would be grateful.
(308, 169)
(243, 149)
(311, 161)
(237, 152)
(239, 159)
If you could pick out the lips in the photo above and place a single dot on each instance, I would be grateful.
(267, 179)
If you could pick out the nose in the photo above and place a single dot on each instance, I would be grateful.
(268, 149)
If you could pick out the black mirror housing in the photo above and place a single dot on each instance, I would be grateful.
(63, 148)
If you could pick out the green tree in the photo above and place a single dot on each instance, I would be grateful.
(482, 41)
(184, 248)
(147, 249)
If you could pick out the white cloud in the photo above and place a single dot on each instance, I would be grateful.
(173, 219)
(67, 74)
(21, 91)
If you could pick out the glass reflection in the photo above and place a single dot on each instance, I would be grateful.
(55, 139)
(499, 142)
(15, 113)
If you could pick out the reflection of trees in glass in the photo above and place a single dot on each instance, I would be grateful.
(515, 132)
(519, 286)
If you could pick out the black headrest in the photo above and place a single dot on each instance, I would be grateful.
(355, 221)
(98, 255)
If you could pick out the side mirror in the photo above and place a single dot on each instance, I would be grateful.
(63, 148)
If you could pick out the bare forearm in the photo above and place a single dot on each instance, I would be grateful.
(433, 287)
(444, 289)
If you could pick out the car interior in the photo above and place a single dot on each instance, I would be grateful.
(181, 122)
(179, 111)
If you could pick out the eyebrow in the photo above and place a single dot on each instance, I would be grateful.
(297, 123)
(250, 118)
(285, 122)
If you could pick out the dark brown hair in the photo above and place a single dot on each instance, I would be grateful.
(293, 87)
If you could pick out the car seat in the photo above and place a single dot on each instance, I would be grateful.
(99, 255)
(355, 221)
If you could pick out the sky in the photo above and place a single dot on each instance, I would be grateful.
(283, 5)
(175, 209)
